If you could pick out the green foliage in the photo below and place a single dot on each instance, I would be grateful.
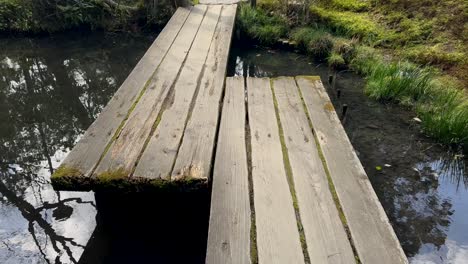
(442, 107)
(351, 5)
(347, 48)
(445, 115)
(321, 46)
(351, 24)
(401, 81)
(434, 55)
(336, 61)
(315, 41)
(15, 15)
(426, 32)
(304, 35)
(50, 16)
(365, 59)
(260, 26)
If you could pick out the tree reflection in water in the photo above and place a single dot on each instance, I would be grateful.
(51, 89)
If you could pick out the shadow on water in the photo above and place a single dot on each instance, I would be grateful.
(422, 185)
(51, 89)
(149, 228)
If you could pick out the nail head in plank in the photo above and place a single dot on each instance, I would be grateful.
(229, 228)
(159, 156)
(372, 234)
(277, 235)
(325, 236)
(125, 150)
(87, 152)
(196, 150)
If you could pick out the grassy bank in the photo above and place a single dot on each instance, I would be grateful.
(415, 59)
(39, 16)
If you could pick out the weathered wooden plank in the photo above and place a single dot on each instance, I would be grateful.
(325, 236)
(229, 229)
(277, 235)
(196, 150)
(125, 150)
(159, 156)
(85, 155)
(372, 234)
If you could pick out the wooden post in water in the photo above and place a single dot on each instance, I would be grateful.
(344, 110)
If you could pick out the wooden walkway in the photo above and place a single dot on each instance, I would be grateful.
(160, 126)
(287, 184)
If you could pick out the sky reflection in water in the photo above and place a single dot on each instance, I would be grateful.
(51, 89)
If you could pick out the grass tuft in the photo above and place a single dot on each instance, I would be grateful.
(443, 107)
(336, 61)
(401, 81)
(260, 26)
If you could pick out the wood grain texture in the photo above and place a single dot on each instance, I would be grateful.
(229, 228)
(159, 156)
(372, 234)
(196, 150)
(277, 235)
(326, 238)
(126, 149)
(89, 149)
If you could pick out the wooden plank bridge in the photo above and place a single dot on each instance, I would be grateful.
(287, 186)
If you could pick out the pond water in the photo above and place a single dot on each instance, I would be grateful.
(422, 186)
(51, 89)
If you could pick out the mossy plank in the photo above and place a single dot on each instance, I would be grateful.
(88, 151)
(371, 232)
(129, 144)
(161, 151)
(278, 239)
(325, 236)
(118, 182)
(198, 142)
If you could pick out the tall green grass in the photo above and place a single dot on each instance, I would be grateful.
(400, 81)
(261, 26)
(442, 107)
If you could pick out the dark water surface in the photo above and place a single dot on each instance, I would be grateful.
(51, 90)
(422, 186)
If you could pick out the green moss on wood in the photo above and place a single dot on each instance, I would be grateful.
(64, 170)
(312, 78)
(331, 185)
(109, 175)
(289, 174)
